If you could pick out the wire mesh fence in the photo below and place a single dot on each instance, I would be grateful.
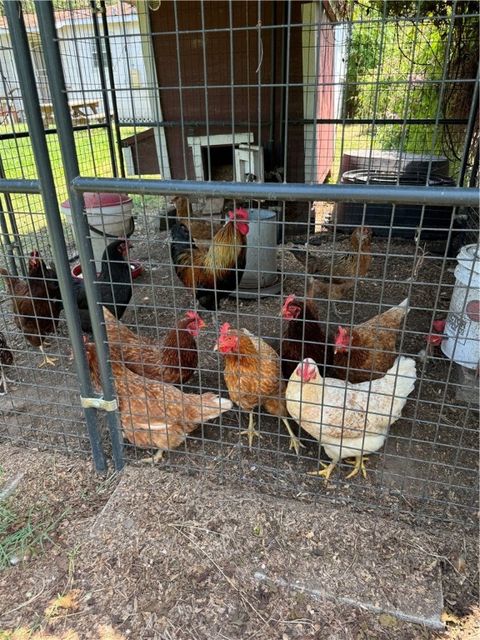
(245, 272)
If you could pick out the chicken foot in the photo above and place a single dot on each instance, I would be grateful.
(358, 465)
(251, 432)
(155, 458)
(294, 441)
(3, 383)
(46, 359)
(325, 472)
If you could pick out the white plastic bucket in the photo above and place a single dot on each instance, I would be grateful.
(261, 268)
(109, 216)
(462, 329)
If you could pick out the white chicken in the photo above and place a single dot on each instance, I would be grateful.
(348, 420)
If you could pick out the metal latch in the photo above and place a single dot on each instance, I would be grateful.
(99, 403)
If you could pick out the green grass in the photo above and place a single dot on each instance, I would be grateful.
(23, 535)
(351, 138)
(18, 160)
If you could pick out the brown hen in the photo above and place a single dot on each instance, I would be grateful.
(344, 268)
(253, 377)
(369, 350)
(174, 361)
(36, 302)
(154, 414)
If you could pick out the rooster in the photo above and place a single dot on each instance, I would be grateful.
(113, 284)
(6, 360)
(253, 377)
(348, 420)
(36, 303)
(344, 267)
(174, 361)
(212, 273)
(154, 414)
(367, 351)
(303, 336)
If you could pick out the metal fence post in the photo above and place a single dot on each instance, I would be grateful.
(56, 83)
(35, 124)
(16, 245)
(111, 79)
(103, 82)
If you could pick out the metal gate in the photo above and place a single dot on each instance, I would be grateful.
(289, 113)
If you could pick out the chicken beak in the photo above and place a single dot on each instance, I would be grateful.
(215, 346)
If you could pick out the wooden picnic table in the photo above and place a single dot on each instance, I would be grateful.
(80, 110)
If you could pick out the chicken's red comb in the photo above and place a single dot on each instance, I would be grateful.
(240, 214)
(35, 254)
(288, 301)
(342, 333)
(193, 315)
(439, 325)
(224, 329)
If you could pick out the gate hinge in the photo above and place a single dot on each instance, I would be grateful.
(99, 403)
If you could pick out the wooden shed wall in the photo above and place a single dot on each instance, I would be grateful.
(186, 90)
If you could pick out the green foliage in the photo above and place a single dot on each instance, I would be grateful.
(18, 161)
(399, 53)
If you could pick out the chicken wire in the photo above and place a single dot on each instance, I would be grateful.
(323, 89)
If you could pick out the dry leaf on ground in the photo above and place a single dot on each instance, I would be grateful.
(65, 603)
(106, 632)
(467, 628)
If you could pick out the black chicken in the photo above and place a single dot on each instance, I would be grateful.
(114, 283)
(6, 359)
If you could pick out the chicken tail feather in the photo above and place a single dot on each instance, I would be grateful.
(405, 372)
(209, 406)
(404, 305)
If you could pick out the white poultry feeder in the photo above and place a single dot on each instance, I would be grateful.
(109, 217)
(462, 329)
(260, 276)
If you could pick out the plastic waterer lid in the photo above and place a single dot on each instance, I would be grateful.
(469, 257)
(101, 200)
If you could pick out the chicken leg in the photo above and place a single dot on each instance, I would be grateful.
(3, 383)
(251, 432)
(358, 465)
(46, 359)
(325, 472)
(155, 458)
(294, 441)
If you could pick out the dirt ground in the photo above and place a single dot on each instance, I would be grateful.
(426, 474)
(158, 554)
